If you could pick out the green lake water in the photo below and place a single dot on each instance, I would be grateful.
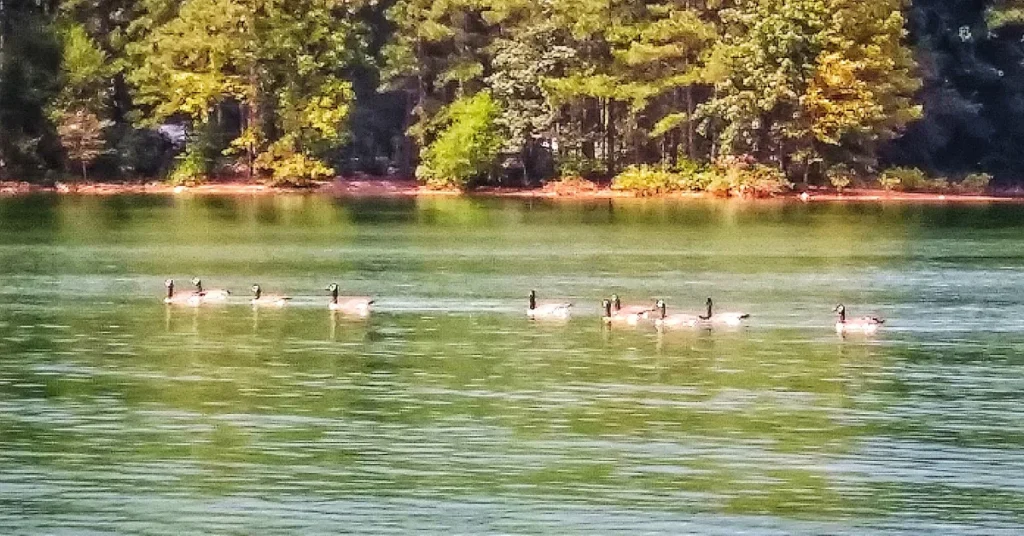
(448, 412)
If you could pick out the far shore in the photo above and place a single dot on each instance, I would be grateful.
(399, 188)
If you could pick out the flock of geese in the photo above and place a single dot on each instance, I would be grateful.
(613, 311)
(354, 305)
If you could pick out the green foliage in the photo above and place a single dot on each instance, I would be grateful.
(587, 86)
(938, 184)
(654, 180)
(647, 180)
(729, 177)
(575, 165)
(903, 179)
(29, 81)
(466, 147)
(742, 177)
(975, 183)
(288, 167)
(197, 59)
(520, 63)
(85, 72)
(831, 78)
(279, 60)
(190, 168)
(840, 177)
(1005, 13)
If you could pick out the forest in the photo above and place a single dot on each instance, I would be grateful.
(729, 96)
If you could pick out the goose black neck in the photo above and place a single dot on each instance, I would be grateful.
(842, 316)
(709, 308)
(259, 292)
(617, 303)
(334, 295)
(170, 290)
(662, 308)
(607, 308)
(199, 286)
(533, 301)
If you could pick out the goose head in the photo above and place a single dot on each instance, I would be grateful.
(333, 289)
(198, 283)
(841, 310)
(257, 291)
(661, 307)
(616, 303)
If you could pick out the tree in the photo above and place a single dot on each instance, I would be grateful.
(81, 135)
(805, 81)
(279, 63)
(30, 57)
(466, 145)
(438, 53)
(524, 57)
(1005, 12)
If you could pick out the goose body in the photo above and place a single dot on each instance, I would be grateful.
(864, 324)
(192, 299)
(353, 305)
(260, 299)
(678, 320)
(609, 316)
(619, 309)
(547, 310)
(215, 295)
(722, 319)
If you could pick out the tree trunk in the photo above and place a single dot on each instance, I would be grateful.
(591, 121)
(690, 149)
(610, 137)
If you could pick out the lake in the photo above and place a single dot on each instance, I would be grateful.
(448, 412)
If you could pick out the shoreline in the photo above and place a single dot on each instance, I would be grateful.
(399, 188)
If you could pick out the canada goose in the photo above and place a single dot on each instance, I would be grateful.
(618, 309)
(663, 320)
(547, 310)
(611, 317)
(864, 324)
(215, 295)
(184, 298)
(354, 305)
(267, 300)
(725, 319)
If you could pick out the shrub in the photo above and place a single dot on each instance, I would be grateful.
(840, 176)
(940, 184)
(288, 167)
(738, 176)
(580, 166)
(975, 183)
(696, 181)
(903, 179)
(467, 146)
(646, 180)
(763, 181)
(191, 167)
